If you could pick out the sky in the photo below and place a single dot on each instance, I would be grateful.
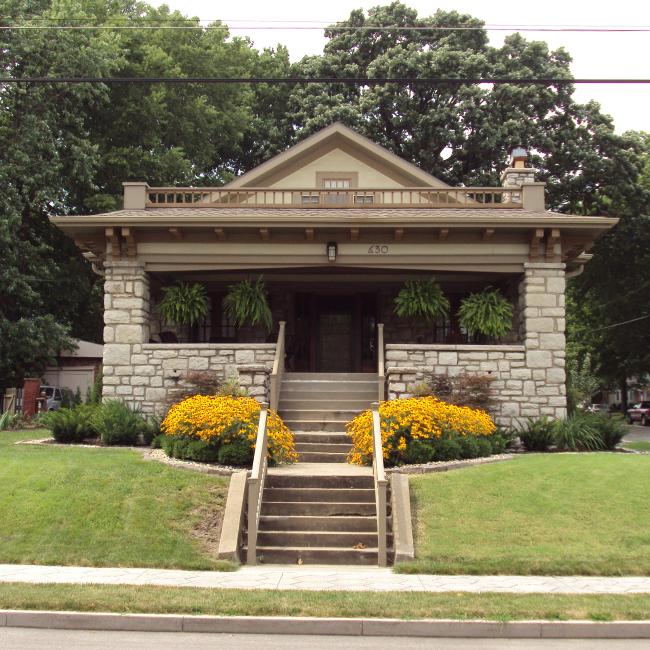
(604, 55)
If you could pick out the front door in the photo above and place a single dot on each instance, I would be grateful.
(336, 325)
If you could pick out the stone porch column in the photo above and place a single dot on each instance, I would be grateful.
(542, 301)
(126, 328)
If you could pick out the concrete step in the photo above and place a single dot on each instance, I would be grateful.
(316, 425)
(334, 392)
(322, 457)
(329, 447)
(366, 524)
(330, 376)
(318, 508)
(320, 555)
(316, 538)
(327, 415)
(336, 495)
(325, 404)
(317, 481)
(318, 436)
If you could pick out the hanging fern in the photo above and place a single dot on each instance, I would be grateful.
(488, 313)
(184, 304)
(247, 302)
(421, 299)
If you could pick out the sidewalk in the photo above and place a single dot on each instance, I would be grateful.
(322, 578)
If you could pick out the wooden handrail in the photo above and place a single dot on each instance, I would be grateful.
(256, 482)
(275, 379)
(381, 369)
(447, 197)
(379, 475)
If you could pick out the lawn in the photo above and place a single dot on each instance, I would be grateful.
(637, 445)
(104, 507)
(565, 514)
(346, 604)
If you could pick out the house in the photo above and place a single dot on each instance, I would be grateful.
(336, 224)
(76, 369)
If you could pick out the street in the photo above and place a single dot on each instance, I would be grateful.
(637, 432)
(36, 639)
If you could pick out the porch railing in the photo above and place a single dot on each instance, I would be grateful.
(420, 197)
(381, 483)
(256, 482)
(278, 368)
(381, 369)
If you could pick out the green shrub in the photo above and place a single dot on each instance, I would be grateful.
(577, 433)
(468, 447)
(236, 453)
(537, 435)
(610, 429)
(186, 448)
(118, 424)
(502, 440)
(71, 425)
(484, 447)
(150, 429)
(447, 447)
(419, 451)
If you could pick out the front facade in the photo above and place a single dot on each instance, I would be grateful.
(336, 225)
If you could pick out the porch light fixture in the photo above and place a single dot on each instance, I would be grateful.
(518, 157)
(332, 250)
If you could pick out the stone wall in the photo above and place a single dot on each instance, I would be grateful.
(529, 380)
(144, 374)
(513, 387)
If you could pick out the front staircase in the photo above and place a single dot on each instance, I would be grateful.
(321, 510)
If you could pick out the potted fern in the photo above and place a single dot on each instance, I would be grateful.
(487, 313)
(421, 300)
(184, 304)
(247, 304)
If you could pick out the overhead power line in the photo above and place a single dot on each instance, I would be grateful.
(354, 81)
(163, 23)
(625, 322)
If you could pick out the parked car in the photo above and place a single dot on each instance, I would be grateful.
(639, 413)
(598, 408)
(53, 396)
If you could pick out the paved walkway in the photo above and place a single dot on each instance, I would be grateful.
(322, 578)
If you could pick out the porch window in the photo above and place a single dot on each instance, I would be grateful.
(364, 199)
(222, 327)
(309, 199)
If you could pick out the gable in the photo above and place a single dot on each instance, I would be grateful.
(336, 149)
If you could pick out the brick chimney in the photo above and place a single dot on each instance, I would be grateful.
(522, 180)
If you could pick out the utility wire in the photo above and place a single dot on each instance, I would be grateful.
(625, 322)
(354, 81)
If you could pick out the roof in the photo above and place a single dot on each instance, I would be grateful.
(334, 136)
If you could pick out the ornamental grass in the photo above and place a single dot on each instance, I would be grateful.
(417, 422)
(222, 420)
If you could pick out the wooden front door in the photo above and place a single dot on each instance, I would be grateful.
(334, 333)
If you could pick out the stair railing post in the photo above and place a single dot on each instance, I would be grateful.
(278, 368)
(381, 371)
(256, 482)
(379, 475)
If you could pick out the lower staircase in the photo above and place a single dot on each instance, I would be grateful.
(321, 510)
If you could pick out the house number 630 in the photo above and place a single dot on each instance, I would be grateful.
(377, 249)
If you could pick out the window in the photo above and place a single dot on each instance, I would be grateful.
(365, 199)
(309, 199)
(336, 183)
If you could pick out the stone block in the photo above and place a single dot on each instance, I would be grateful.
(397, 355)
(164, 354)
(124, 390)
(112, 286)
(488, 366)
(127, 303)
(117, 354)
(539, 359)
(540, 325)
(129, 334)
(552, 341)
(556, 285)
(510, 409)
(110, 380)
(138, 391)
(174, 364)
(448, 358)
(555, 376)
(529, 388)
(244, 356)
(197, 363)
(473, 356)
(521, 373)
(116, 316)
(109, 334)
(155, 394)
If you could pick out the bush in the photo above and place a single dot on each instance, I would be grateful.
(150, 429)
(426, 419)
(469, 447)
(71, 425)
(537, 435)
(418, 451)
(118, 424)
(610, 429)
(224, 420)
(577, 433)
(185, 448)
(502, 440)
(474, 391)
(237, 453)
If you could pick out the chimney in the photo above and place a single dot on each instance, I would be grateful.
(522, 180)
(135, 196)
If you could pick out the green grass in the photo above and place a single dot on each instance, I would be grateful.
(563, 514)
(227, 602)
(638, 445)
(101, 507)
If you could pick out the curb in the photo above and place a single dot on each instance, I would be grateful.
(324, 626)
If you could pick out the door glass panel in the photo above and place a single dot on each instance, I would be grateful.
(335, 342)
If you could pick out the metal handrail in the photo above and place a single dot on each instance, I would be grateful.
(278, 368)
(381, 369)
(381, 483)
(256, 482)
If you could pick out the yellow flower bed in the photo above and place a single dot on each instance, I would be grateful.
(225, 419)
(415, 418)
